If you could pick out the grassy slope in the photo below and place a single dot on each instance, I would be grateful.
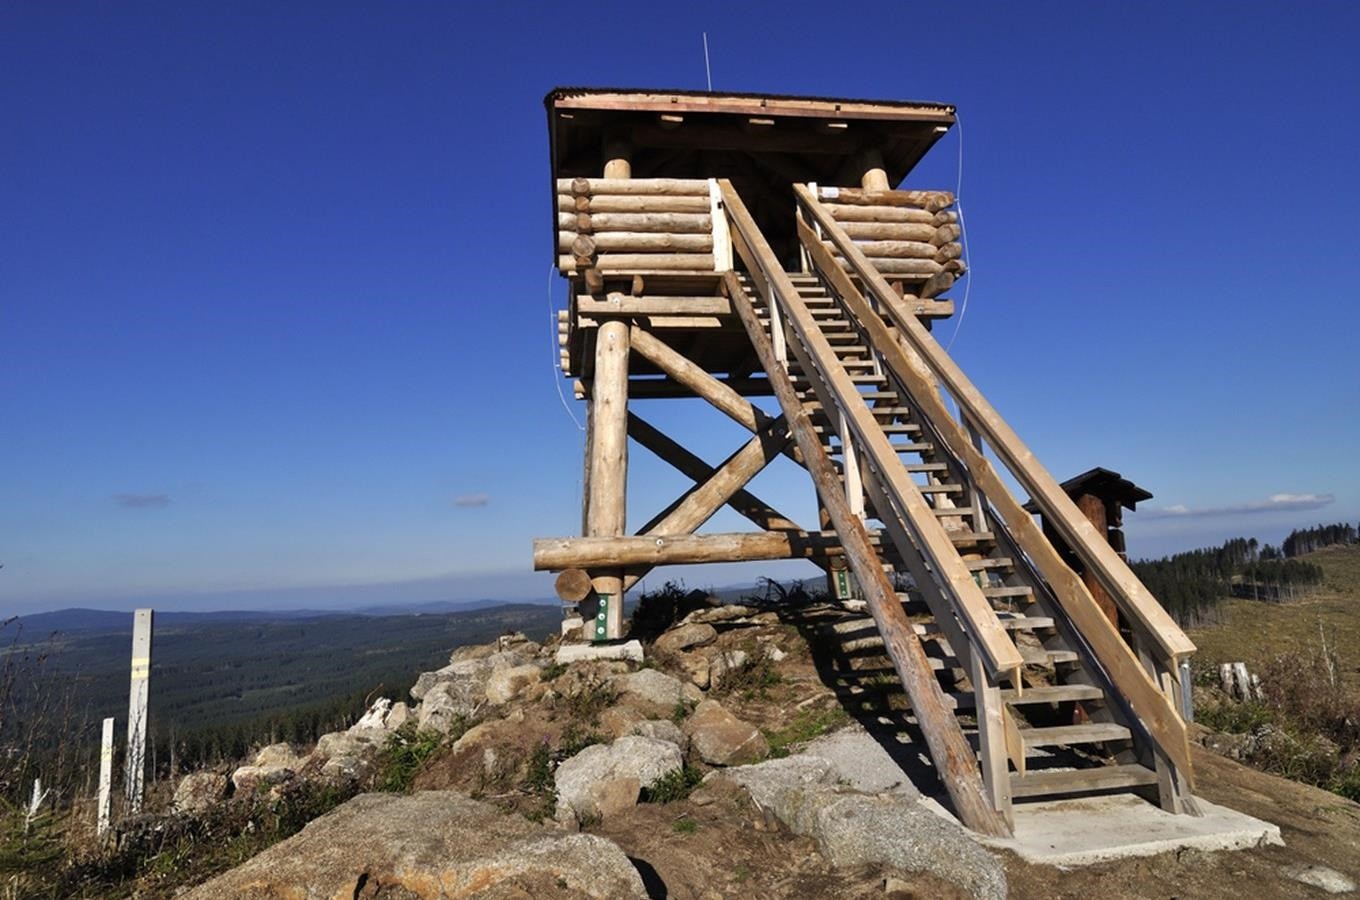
(1254, 632)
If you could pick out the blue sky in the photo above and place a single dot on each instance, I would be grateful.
(274, 277)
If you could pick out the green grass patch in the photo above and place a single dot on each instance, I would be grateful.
(676, 784)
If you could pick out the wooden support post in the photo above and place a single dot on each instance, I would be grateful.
(105, 807)
(607, 510)
(618, 159)
(992, 743)
(138, 694)
(875, 175)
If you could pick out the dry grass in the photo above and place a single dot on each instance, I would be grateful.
(1255, 632)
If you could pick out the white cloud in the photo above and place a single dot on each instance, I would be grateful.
(1271, 504)
(468, 501)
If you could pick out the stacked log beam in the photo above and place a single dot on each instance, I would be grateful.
(909, 236)
(622, 224)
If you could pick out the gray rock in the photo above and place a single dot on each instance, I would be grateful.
(436, 842)
(614, 795)
(646, 759)
(721, 739)
(650, 686)
(718, 614)
(697, 669)
(897, 831)
(860, 762)
(397, 716)
(572, 653)
(894, 830)
(472, 651)
(662, 730)
(450, 702)
(277, 756)
(247, 779)
(505, 684)
(198, 791)
(1329, 880)
(375, 717)
(784, 788)
(683, 637)
(343, 743)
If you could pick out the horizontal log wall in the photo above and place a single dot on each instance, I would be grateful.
(638, 224)
(909, 236)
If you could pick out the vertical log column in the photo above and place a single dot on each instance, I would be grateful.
(607, 500)
(874, 177)
(606, 513)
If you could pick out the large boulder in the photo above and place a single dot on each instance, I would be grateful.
(449, 703)
(198, 791)
(278, 756)
(436, 844)
(644, 759)
(721, 739)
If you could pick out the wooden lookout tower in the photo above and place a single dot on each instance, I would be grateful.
(740, 247)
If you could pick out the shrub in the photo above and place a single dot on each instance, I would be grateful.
(404, 754)
(676, 784)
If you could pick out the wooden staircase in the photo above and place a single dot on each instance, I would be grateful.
(1053, 700)
(1058, 684)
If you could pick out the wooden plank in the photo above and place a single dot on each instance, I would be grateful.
(1081, 781)
(669, 187)
(1159, 717)
(1015, 745)
(643, 262)
(949, 749)
(929, 200)
(1066, 735)
(762, 106)
(991, 725)
(634, 242)
(138, 710)
(628, 203)
(620, 304)
(632, 223)
(551, 554)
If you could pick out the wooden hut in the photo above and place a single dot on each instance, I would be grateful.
(734, 246)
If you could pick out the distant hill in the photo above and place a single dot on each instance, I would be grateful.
(220, 679)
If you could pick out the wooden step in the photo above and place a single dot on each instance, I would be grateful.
(1044, 657)
(953, 512)
(1001, 562)
(1052, 693)
(914, 447)
(1006, 591)
(1025, 623)
(1048, 782)
(1068, 735)
(969, 538)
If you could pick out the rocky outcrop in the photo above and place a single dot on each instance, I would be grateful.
(686, 636)
(654, 691)
(432, 845)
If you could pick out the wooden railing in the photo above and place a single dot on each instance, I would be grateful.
(921, 364)
(949, 750)
(901, 506)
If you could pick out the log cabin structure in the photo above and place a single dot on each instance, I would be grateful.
(735, 247)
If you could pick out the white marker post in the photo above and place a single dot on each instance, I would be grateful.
(105, 778)
(137, 709)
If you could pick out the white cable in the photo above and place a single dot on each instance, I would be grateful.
(963, 237)
(556, 373)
